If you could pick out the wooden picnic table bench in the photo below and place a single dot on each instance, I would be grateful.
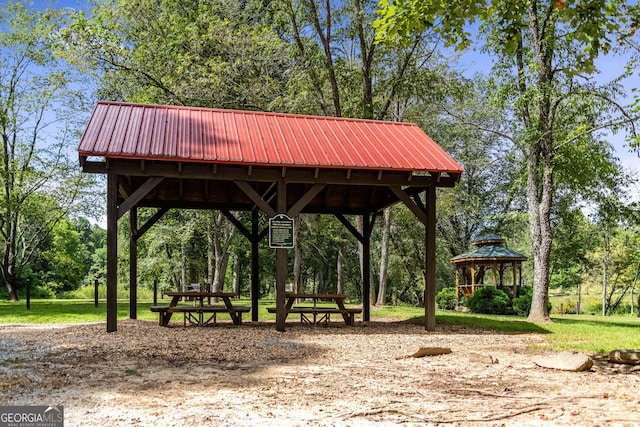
(199, 314)
(319, 314)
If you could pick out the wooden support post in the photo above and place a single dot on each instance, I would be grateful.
(255, 265)
(281, 265)
(155, 292)
(366, 269)
(430, 261)
(95, 293)
(133, 263)
(28, 294)
(112, 252)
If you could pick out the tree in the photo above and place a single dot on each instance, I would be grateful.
(210, 53)
(66, 258)
(549, 47)
(38, 108)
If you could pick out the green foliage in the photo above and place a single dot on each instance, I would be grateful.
(39, 103)
(446, 299)
(541, 48)
(488, 300)
(67, 259)
(160, 51)
(522, 303)
(597, 26)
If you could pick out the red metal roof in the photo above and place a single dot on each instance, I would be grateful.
(160, 132)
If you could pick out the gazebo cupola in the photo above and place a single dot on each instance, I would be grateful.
(489, 254)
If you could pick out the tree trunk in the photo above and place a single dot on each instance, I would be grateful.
(297, 257)
(340, 270)
(222, 236)
(540, 158)
(540, 228)
(9, 259)
(211, 255)
(236, 274)
(605, 270)
(384, 258)
(183, 266)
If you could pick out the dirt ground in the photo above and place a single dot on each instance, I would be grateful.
(147, 375)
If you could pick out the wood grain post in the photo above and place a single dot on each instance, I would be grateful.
(255, 265)
(112, 252)
(281, 265)
(95, 292)
(430, 261)
(133, 263)
(366, 269)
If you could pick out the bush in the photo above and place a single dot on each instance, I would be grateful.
(522, 304)
(488, 300)
(446, 299)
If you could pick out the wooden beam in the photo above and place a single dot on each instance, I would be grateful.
(305, 199)
(138, 195)
(359, 236)
(256, 198)
(410, 203)
(268, 174)
(240, 226)
(156, 216)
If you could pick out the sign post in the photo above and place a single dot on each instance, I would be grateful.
(281, 232)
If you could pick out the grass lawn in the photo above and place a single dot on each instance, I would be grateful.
(591, 334)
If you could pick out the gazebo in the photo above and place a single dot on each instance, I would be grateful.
(489, 254)
(164, 157)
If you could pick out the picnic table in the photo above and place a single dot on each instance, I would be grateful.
(199, 313)
(314, 314)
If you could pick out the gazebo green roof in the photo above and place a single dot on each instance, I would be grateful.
(489, 247)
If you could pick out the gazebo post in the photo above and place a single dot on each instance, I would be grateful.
(112, 252)
(495, 278)
(457, 286)
(473, 278)
(516, 268)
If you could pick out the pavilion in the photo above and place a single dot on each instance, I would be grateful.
(489, 253)
(165, 157)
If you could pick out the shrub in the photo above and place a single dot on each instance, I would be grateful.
(446, 299)
(488, 300)
(522, 304)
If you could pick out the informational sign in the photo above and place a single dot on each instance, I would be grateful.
(281, 232)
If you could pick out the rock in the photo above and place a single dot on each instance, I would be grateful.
(628, 357)
(431, 351)
(565, 361)
(485, 358)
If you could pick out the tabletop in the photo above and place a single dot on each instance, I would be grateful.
(199, 294)
(317, 296)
